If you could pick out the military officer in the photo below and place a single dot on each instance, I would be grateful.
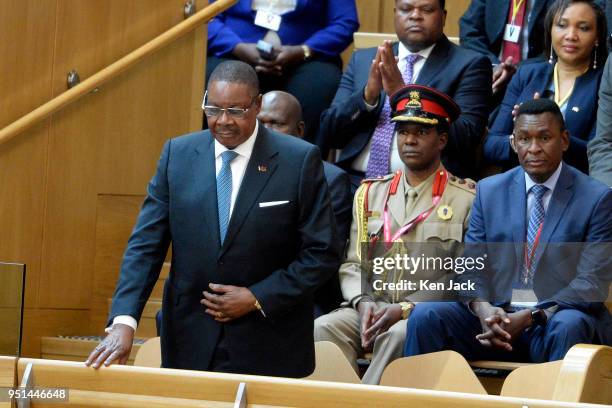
(421, 205)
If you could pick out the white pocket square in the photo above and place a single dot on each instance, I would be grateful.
(272, 203)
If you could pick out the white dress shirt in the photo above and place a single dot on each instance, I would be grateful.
(527, 297)
(361, 161)
(238, 166)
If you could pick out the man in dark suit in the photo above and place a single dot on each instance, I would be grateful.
(600, 147)
(358, 122)
(281, 112)
(482, 27)
(546, 229)
(253, 235)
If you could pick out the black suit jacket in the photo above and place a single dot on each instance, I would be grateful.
(462, 74)
(481, 28)
(329, 296)
(282, 253)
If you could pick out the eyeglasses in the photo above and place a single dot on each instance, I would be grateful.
(236, 113)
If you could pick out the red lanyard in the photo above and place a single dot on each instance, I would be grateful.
(438, 189)
(529, 256)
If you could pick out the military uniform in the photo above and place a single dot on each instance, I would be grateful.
(444, 221)
(342, 325)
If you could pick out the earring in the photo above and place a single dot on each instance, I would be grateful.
(595, 56)
(550, 59)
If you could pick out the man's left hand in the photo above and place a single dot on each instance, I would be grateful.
(391, 76)
(383, 319)
(519, 321)
(228, 302)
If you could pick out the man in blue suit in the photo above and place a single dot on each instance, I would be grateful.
(540, 292)
(358, 122)
(253, 235)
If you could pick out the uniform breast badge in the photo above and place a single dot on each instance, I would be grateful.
(445, 212)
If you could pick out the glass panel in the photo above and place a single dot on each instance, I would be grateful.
(12, 278)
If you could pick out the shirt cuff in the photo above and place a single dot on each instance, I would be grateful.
(354, 302)
(123, 319)
(369, 107)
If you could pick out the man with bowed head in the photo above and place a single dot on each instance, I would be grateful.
(249, 217)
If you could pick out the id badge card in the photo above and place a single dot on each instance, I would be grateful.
(512, 33)
(268, 20)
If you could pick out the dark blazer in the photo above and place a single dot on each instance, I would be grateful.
(481, 28)
(580, 116)
(281, 253)
(572, 277)
(329, 296)
(339, 185)
(600, 148)
(462, 74)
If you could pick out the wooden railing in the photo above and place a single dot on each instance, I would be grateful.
(113, 70)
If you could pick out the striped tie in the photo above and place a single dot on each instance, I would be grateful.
(536, 218)
(380, 150)
(224, 192)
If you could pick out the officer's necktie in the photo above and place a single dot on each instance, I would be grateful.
(224, 192)
(411, 196)
(380, 150)
(536, 219)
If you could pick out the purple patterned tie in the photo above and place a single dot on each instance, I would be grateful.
(380, 150)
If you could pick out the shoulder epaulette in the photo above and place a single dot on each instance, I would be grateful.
(464, 184)
(376, 179)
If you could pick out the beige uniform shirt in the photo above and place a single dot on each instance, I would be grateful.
(406, 204)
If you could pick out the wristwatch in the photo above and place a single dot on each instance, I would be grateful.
(538, 317)
(406, 309)
(307, 52)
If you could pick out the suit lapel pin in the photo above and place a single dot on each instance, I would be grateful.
(445, 212)
(576, 109)
(262, 168)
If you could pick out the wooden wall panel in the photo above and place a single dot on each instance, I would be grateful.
(26, 45)
(110, 141)
(455, 9)
(38, 323)
(116, 215)
(369, 14)
(25, 83)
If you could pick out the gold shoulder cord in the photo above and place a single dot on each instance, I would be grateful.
(362, 220)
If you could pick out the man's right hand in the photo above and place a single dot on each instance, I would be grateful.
(116, 346)
(493, 321)
(366, 311)
(374, 86)
(502, 74)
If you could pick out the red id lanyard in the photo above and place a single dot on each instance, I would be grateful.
(529, 255)
(438, 189)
